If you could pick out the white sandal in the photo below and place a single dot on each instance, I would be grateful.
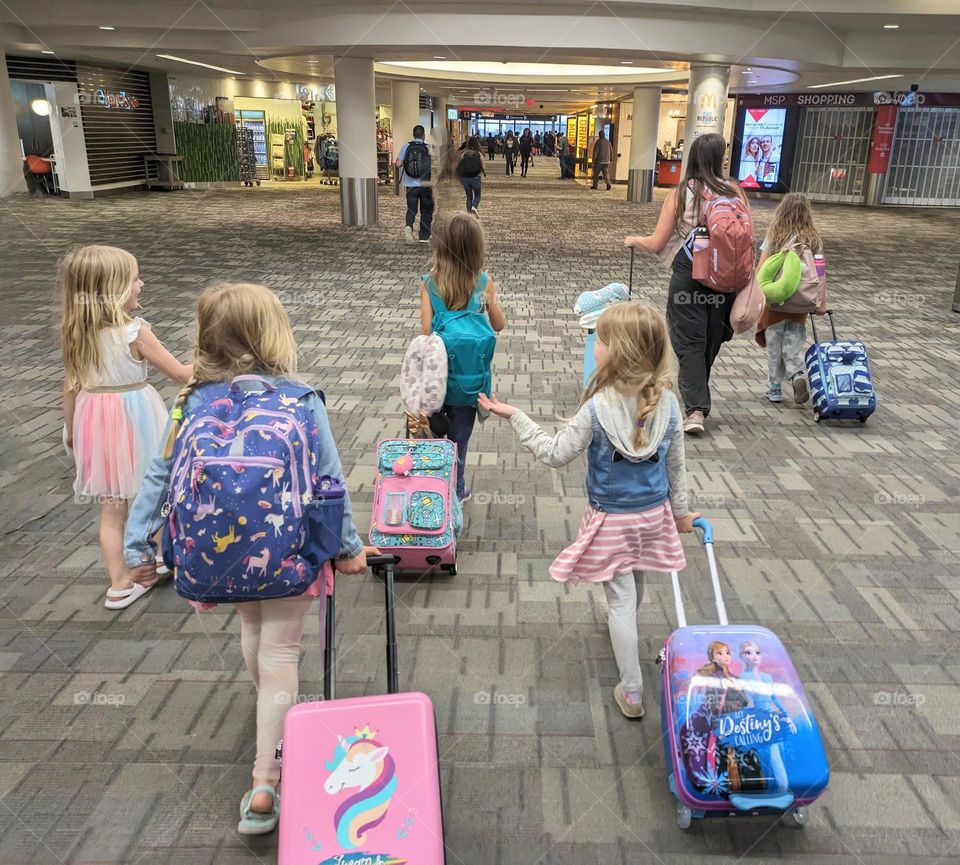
(120, 599)
(162, 569)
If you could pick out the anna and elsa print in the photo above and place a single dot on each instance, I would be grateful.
(735, 724)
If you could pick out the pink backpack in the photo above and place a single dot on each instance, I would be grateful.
(812, 288)
(726, 262)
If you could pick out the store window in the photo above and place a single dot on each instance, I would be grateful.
(832, 149)
(925, 160)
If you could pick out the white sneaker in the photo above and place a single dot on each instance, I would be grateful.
(408, 234)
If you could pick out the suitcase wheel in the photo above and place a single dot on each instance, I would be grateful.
(799, 817)
(816, 416)
(862, 419)
(684, 816)
(450, 569)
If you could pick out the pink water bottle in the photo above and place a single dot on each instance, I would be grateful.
(821, 265)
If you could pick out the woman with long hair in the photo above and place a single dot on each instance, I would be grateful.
(469, 169)
(698, 316)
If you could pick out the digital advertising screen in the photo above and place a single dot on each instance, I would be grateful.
(761, 136)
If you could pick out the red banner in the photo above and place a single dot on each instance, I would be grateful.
(882, 142)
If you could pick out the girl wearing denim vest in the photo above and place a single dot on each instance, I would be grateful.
(630, 424)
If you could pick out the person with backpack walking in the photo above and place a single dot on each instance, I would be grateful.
(784, 334)
(526, 149)
(629, 424)
(705, 220)
(113, 418)
(458, 301)
(602, 157)
(469, 169)
(510, 150)
(249, 455)
(414, 160)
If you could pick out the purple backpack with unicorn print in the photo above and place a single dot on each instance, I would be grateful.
(247, 517)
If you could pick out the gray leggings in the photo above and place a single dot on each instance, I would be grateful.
(624, 596)
(786, 344)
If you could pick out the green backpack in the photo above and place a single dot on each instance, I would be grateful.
(470, 342)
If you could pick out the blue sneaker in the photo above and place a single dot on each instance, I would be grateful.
(774, 394)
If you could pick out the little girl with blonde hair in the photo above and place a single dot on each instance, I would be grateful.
(631, 427)
(113, 418)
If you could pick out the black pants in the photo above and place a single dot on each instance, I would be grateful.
(524, 160)
(511, 161)
(490, 152)
(699, 322)
(471, 186)
(422, 197)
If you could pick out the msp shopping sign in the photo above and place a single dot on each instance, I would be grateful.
(749, 728)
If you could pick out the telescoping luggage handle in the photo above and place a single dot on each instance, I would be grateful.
(706, 538)
(330, 638)
(813, 324)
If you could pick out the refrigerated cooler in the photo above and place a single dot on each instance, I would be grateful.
(256, 122)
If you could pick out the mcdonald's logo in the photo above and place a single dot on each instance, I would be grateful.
(708, 100)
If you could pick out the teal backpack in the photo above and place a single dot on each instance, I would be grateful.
(470, 342)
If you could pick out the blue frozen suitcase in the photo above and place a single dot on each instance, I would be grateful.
(838, 372)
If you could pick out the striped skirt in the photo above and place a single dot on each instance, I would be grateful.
(610, 544)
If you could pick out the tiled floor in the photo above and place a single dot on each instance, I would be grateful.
(125, 738)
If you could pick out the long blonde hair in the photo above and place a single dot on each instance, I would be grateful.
(793, 218)
(457, 258)
(95, 283)
(241, 328)
(639, 359)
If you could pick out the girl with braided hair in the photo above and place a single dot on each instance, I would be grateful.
(630, 424)
(113, 419)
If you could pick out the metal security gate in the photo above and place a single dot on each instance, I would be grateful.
(831, 160)
(925, 160)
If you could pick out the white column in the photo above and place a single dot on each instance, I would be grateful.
(406, 112)
(11, 159)
(643, 143)
(440, 112)
(357, 134)
(706, 104)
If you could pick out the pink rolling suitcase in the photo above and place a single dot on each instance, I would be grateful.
(739, 734)
(360, 781)
(416, 515)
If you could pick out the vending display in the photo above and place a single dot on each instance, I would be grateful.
(763, 147)
(255, 121)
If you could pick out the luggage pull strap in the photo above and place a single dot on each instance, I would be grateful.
(706, 538)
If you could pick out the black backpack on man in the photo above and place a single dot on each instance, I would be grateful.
(416, 161)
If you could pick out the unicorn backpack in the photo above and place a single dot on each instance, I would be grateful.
(246, 517)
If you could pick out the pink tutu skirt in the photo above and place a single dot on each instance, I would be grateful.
(115, 435)
(610, 544)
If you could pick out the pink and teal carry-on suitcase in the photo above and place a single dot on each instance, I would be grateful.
(416, 515)
(739, 735)
(360, 782)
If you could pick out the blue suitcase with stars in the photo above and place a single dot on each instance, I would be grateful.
(841, 387)
(739, 736)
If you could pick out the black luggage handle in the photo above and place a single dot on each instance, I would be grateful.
(813, 324)
(630, 284)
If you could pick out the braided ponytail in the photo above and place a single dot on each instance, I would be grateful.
(176, 415)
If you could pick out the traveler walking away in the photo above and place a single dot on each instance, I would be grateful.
(469, 169)
(698, 316)
(537, 145)
(510, 150)
(566, 160)
(243, 382)
(629, 424)
(414, 160)
(602, 157)
(113, 419)
(491, 146)
(458, 284)
(526, 147)
(784, 334)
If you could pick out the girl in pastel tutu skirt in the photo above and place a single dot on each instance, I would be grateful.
(113, 418)
(631, 427)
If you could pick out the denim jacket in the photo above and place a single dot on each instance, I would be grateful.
(617, 485)
(145, 518)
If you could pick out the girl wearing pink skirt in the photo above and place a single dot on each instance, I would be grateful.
(630, 425)
(114, 419)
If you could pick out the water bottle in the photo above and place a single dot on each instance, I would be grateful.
(820, 263)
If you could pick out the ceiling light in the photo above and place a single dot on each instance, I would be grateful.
(852, 81)
(198, 63)
(45, 51)
(108, 28)
(313, 61)
(626, 62)
(439, 57)
(891, 26)
(41, 107)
